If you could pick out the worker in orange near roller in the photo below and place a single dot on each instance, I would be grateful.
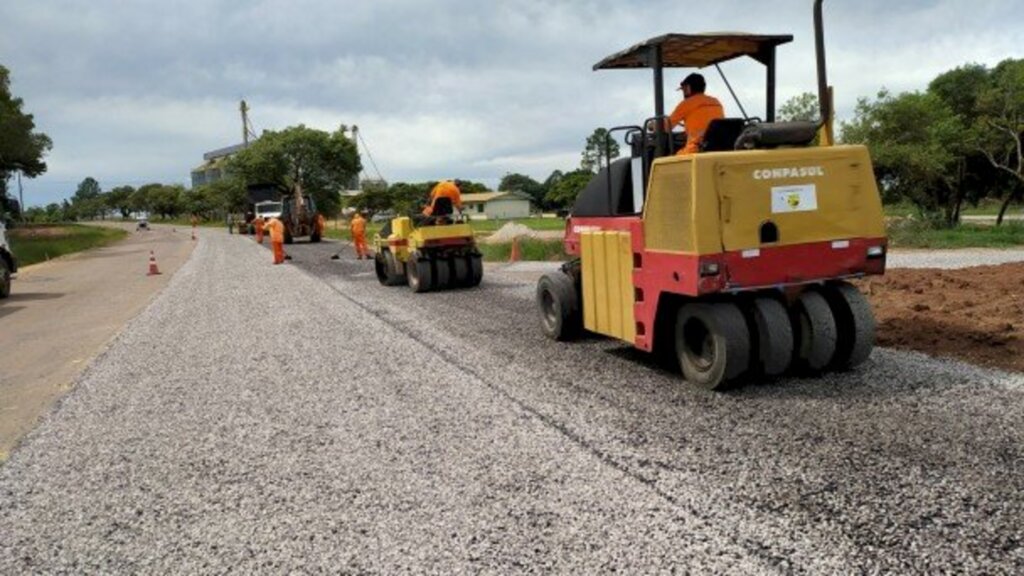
(258, 223)
(276, 229)
(358, 229)
(445, 189)
(696, 111)
(321, 224)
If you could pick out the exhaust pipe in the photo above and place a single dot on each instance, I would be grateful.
(824, 102)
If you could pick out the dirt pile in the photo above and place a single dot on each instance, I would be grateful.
(974, 314)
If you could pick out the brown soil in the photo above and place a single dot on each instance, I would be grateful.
(975, 314)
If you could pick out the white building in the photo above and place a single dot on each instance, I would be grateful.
(496, 205)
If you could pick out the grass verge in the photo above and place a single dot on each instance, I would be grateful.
(34, 244)
(529, 249)
(918, 235)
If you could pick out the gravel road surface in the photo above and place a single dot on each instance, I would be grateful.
(302, 417)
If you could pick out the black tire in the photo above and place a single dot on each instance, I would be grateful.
(419, 274)
(314, 238)
(5, 278)
(395, 269)
(288, 238)
(460, 271)
(712, 344)
(814, 332)
(476, 269)
(442, 270)
(855, 325)
(380, 267)
(559, 307)
(772, 336)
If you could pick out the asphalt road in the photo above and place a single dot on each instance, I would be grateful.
(63, 312)
(260, 418)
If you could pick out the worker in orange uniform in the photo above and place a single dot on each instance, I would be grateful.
(446, 189)
(358, 229)
(258, 223)
(321, 224)
(696, 111)
(276, 229)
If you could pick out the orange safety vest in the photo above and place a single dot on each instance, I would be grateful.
(696, 112)
(446, 189)
(276, 229)
(358, 226)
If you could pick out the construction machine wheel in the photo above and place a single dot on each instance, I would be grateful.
(442, 273)
(712, 344)
(419, 273)
(460, 271)
(288, 239)
(855, 325)
(394, 269)
(773, 336)
(314, 238)
(476, 269)
(560, 317)
(814, 332)
(5, 278)
(380, 267)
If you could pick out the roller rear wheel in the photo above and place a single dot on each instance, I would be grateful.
(419, 274)
(476, 269)
(773, 336)
(559, 307)
(814, 330)
(855, 325)
(712, 344)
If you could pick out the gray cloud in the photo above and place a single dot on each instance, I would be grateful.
(136, 91)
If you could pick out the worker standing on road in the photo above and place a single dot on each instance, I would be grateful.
(258, 223)
(358, 229)
(276, 229)
(446, 189)
(696, 111)
(321, 224)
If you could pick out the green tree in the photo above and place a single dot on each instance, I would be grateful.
(22, 148)
(915, 141)
(600, 145)
(525, 184)
(375, 197)
(999, 127)
(87, 199)
(803, 107)
(564, 191)
(119, 200)
(323, 162)
(167, 201)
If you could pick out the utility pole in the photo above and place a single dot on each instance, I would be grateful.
(21, 200)
(247, 130)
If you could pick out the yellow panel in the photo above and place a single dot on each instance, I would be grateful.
(607, 263)
(589, 289)
(667, 215)
(401, 227)
(601, 284)
(626, 287)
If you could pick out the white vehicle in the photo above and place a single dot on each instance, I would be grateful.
(8, 264)
(268, 209)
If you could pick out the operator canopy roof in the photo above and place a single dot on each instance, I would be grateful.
(696, 50)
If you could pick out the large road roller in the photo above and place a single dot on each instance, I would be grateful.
(733, 261)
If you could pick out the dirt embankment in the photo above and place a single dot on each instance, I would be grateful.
(974, 314)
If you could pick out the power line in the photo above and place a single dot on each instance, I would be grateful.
(366, 147)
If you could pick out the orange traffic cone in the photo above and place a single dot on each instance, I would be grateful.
(153, 270)
(515, 256)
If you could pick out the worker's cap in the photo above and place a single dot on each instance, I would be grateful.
(695, 81)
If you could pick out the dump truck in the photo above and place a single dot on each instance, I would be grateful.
(437, 253)
(735, 261)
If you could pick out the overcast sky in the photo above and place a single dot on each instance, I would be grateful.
(135, 91)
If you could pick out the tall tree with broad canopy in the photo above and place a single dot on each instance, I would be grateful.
(323, 162)
(522, 183)
(22, 148)
(599, 146)
(999, 127)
